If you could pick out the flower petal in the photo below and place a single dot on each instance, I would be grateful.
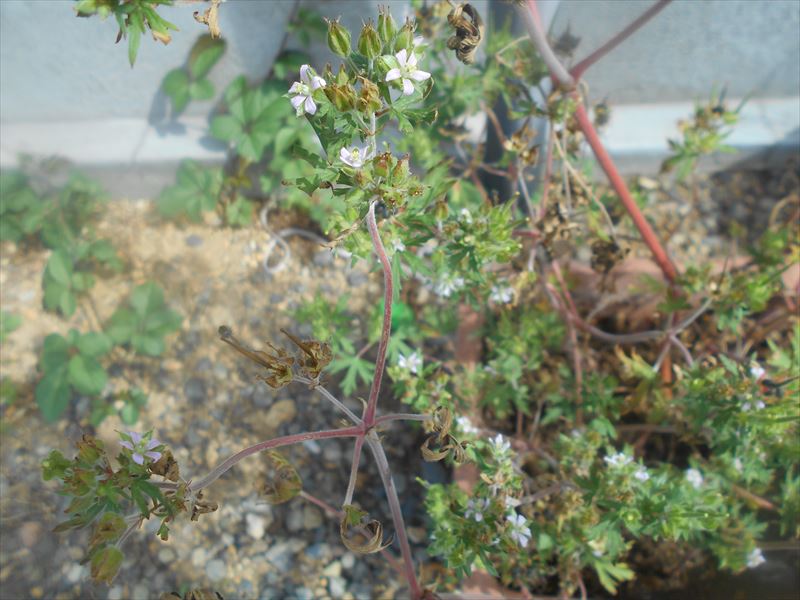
(305, 74)
(152, 444)
(408, 87)
(393, 74)
(310, 106)
(138, 458)
(297, 88)
(126, 444)
(420, 75)
(297, 101)
(135, 437)
(317, 82)
(402, 58)
(153, 455)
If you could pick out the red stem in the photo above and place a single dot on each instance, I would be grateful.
(286, 440)
(380, 361)
(579, 69)
(618, 183)
(556, 72)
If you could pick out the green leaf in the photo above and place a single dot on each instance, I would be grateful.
(226, 128)
(135, 38)
(67, 303)
(106, 563)
(202, 89)
(176, 86)
(196, 190)
(121, 326)
(53, 394)
(204, 55)
(146, 298)
(55, 465)
(87, 375)
(129, 414)
(59, 267)
(146, 344)
(239, 212)
(289, 62)
(94, 344)
(55, 352)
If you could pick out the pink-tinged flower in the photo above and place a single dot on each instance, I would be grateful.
(355, 156)
(518, 530)
(475, 509)
(406, 70)
(302, 90)
(141, 446)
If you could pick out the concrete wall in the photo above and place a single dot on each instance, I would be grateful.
(66, 89)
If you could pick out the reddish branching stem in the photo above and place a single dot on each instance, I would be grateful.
(566, 81)
(380, 360)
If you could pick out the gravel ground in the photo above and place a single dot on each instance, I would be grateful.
(205, 403)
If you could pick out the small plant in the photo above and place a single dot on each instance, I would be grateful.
(561, 414)
(144, 322)
(190, 82)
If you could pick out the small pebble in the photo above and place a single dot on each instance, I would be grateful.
(75, 573)
(348, 560)
(312, 518)
(337, 587)
(255, 526)
(140, 592)
(166, 555)
(193, 241)
(198, 557)
(215, 569)
(115, 593)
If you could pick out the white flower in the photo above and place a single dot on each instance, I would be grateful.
(759, 405)
(755, 558)
(355, 156)
(447, 285)
(511, 504)
(641, 474)
(694, 477)
(301, 91)
(475, 509)
(757, 371)
(412, 362)
(518, 530)
(620, 459)
(500, 444)
(466, 216)
(501, 295)
(406, 71)
(737, 464)
(418, 41)
(465, 425)
(398, 245)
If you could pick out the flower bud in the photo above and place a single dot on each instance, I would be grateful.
(369, 100)
(343, 97)
(405, 39)
(387, 28)
(381, 164)
(401, 170)
(369, 44)
(338, 38)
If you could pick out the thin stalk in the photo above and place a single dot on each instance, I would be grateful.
(397, 515)
(330, 397)
(380, 360)
(402, 417)
(351, 485)
(286, 440)
(536, 30)
(565, 80)
(579, 69)
(618, 183)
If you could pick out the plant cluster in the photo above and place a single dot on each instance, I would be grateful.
(591, 442)
(62, 219)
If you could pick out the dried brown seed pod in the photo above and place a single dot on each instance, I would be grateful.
(469, 32)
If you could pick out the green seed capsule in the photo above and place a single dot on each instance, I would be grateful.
(387, 28)
(369, 43)
(338, 38)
